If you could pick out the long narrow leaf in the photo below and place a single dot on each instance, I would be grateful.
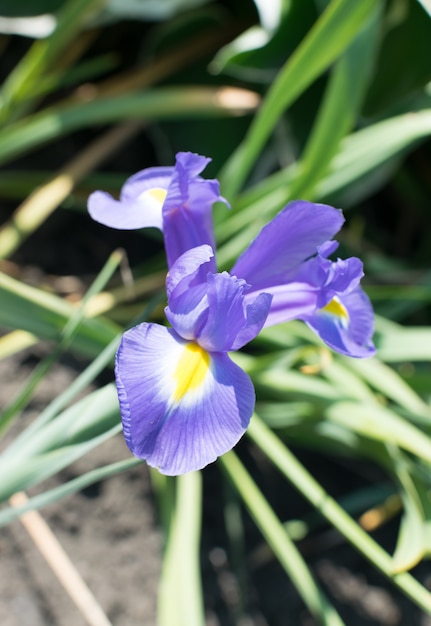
(279, 541)
(45, 315)
(302, 480)
(314, 55)
(153, 104)
(67, 489)
(180, 596)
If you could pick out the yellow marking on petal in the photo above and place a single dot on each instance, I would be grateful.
(191, 370)
(158, 194)
(334, 307)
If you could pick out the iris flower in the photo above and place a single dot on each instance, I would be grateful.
(183, 401)
(175, 200)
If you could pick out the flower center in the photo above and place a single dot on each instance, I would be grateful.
(191, 370)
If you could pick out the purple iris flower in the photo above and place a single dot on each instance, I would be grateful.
(183, 401)
(174, 199)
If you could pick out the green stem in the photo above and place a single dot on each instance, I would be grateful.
(180, 596)
(300, 478)
(281, 544)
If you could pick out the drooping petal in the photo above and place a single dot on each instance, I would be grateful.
(177, 200)
(346, 324)
(144, 180)
(311, 286)
(294, 235)
(145, 211)
(181, 407)
(187, 212)
(140, 204)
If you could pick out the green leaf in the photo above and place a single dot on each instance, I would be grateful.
(368, 148)
(403, 67)
(67, 489)
(313, 56)
(340, 106)
(302, 480)
(414, 538)
(43, 54)
(283, 547)
(45, 315)
(180, 595)
(149, 9)
(154, 104)
(381, 424)
(385, 380)
(59, 442)
(398, 344)
(359, 155)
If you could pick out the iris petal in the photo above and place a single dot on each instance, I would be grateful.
(231, 323)
(346, 326)
(290, 238)
(184, 272)
(151, 177)
(179, 432)
(145, 211)
(137, 207)
(187, 212)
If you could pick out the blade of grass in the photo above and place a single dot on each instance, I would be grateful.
(42, 54)
(283, 547)
(77, 386)
(14, 342)
(359, 154)
(45, 315)
(44, 200)
(385, 380)
(19, 403)
(67, 489)
(312, 491)
(19, 476)
(382, 424)
(340, 106)
(330, 35)
(153, 104)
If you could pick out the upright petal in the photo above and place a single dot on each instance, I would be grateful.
(184, 273)
(231, 323)
(293, 236)
(346, 324)
(187, 212)
(186, 286)
(181, 407)
(342, 276)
